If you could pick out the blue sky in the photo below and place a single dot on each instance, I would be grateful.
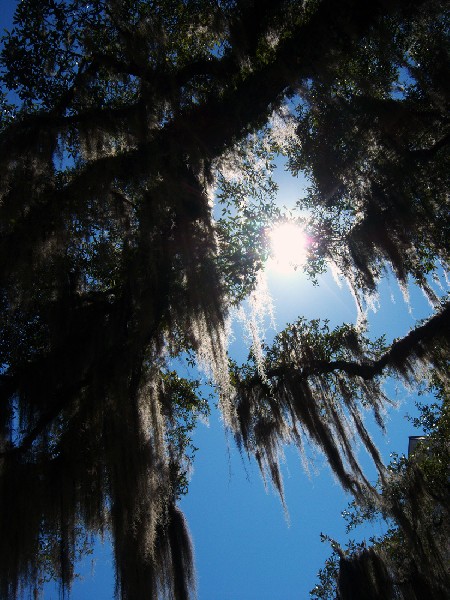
(246, 547)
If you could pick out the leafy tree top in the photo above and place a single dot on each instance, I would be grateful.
(118, 119)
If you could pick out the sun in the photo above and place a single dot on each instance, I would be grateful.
(289, 244)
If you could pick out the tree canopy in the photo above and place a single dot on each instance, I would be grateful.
(121, 120)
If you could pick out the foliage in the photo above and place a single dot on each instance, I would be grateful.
(183, 405)
(315, 383)
(246, 195)
(373, 136)
(327, 575)
(119, 120)
(414, 499)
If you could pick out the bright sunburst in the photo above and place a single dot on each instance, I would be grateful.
(289, 245)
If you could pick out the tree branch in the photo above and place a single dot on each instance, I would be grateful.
(415, 342)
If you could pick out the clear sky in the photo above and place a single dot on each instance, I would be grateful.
(246, 547)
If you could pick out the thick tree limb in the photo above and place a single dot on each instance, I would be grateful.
(414, 343)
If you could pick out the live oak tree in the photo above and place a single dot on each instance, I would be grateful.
(119, 120)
